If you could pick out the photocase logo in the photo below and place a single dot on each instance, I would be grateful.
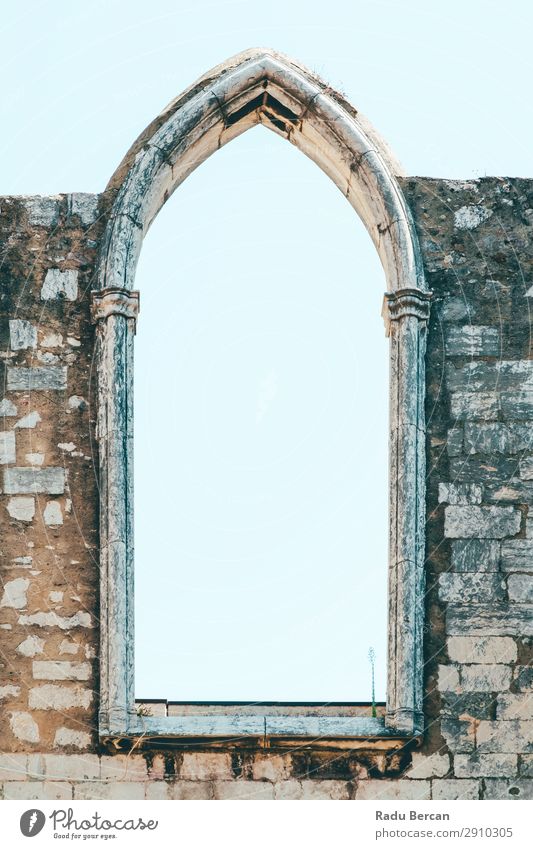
(32, 822)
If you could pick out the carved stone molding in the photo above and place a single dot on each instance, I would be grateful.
(405, 302)
(114, 301)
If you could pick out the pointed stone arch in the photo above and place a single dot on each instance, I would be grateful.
(261, 87)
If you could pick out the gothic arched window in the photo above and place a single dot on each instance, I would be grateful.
(260, 87)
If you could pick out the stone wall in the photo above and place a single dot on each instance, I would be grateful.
(478, 253)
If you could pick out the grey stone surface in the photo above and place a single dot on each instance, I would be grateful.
(30, 479)
(464, 522)
(471, 340)
(42, 211)
(516, 789)
(471, 587)
(485, 678)
(485, 765)
(454, 442)
(490, 620)
(460, 493)
(520, 586)
(33, 379)
(497, 438)
(475, 555)
(85, 206)
(7, 446)
(22, 334)
(517, 555)
(484, 406)
(60, 284)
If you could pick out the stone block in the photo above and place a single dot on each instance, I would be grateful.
(71, 767)
(475, 555)
(464, 522)
(22, 334)
(243, 790)
(460, 493)
(520, 587)
(271, 767)
(471, 587)
(42, 211)
(8, 691)
(51, 619)
(448, 678)
(508, 735)
(24, 727)
(7, 408)
(526, 468)
(40, 378)
(455, 788)
(84, 206)
(55, 697)
(206, 766)
(72, 737)
(515, 706)
(189, 790)
(13, 767)
(482, 649)
(52, 515)
(61, 670)
(480, 766)
(157, 791)
(29, 790)
(429, 766)
(382, 789)
(7, 446)
(96, 790)
(496, 620)
(498, 438)
(459, 734)
(28, 422)
(471, 340)
(15, 593)
(454, 442)
(517, 789)
(34, 480)
(517, 555)
(324, 789)
(485, 677)
(523, 677)
(526, 766)
(517, 406)
(470, 216)
(60, 284)
(484, 406)
(123, 768)
(475, 705)
(21, 508)
(31, 646)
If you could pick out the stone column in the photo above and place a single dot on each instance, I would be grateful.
(406, 314)
(115, 312)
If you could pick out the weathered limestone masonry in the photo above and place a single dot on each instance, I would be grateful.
(477, 245)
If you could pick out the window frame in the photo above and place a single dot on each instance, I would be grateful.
(260, 87)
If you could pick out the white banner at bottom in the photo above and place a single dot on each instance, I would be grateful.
(264, 825)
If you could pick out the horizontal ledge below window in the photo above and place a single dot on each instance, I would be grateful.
(330, 727)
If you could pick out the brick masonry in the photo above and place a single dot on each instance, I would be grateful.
(476, 240)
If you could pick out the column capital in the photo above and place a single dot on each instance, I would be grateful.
(405, 302)
(114, 301)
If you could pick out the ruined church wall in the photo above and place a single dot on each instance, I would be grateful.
(478, 255)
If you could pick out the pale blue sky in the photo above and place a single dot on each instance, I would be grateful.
(261, 431)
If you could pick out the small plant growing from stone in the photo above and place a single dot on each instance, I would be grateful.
(372, 659)
(144, 710)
